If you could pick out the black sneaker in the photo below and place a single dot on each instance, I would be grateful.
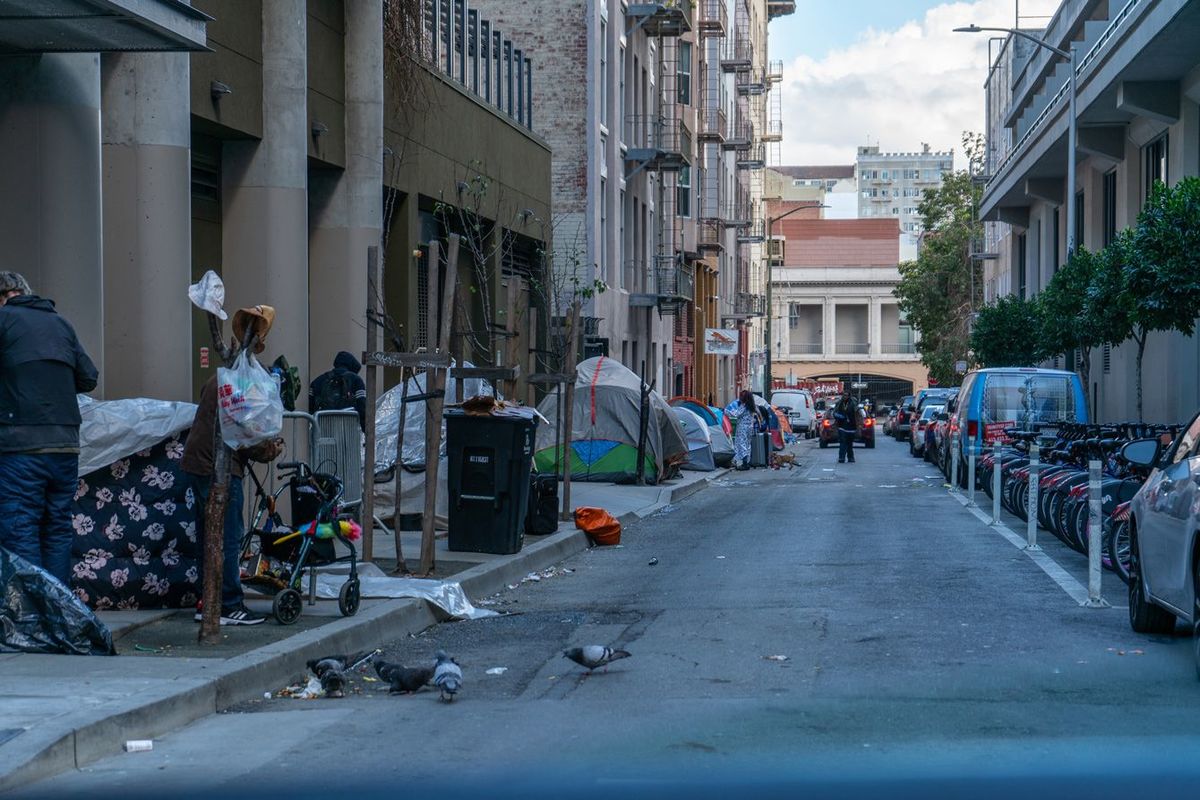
(241, 616)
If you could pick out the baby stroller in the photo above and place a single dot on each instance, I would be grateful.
(275, 555)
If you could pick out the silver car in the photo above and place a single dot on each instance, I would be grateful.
(1164, 580)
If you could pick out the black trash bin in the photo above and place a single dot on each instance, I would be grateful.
(488, 460)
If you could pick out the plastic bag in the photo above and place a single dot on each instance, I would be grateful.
(250, 407)
(40, 615)
(599, 525)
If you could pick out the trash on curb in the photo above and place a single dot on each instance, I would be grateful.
(775, 658)
(653, 561)
(139, 745)
(601, 527)
(497, 670)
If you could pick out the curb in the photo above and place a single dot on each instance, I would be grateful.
(247, 676)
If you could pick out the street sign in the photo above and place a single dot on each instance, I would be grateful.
(960, 367)
(858, 385)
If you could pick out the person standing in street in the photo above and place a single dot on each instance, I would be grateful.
(846, 415)
(340, 388)
(745, 419)
(42, 368)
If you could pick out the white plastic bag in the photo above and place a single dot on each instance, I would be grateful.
(248, 402)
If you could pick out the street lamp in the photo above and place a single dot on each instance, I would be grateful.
(768, 381)
(1069, 55)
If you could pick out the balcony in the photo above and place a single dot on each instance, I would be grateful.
(713, 125)
(737, 214)
(658, 143)
(741, 135)
(754, 233)
(714, 18)
(750, 83)
(738, 55)
(665, 283)
(754, 157)
(852, 348)
(774, 131)
(746, 305)
(805, 348)
(710, 236)
(780, 8)
(663, 18)
(775, 72)
(898, 348)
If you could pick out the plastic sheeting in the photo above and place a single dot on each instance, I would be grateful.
(115, 429)
(412, 488)
(446, 595)
(40, 615)
(387, 419)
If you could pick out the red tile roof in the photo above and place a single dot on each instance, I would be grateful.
(840, 242)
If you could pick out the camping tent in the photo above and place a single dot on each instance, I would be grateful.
(713, 418)
(605, 422)
(699, 441)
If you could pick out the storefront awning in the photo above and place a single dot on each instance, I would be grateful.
(90, 26)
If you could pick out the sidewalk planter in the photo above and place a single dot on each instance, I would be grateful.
(489, 459)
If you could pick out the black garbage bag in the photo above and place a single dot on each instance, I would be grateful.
(40, 615)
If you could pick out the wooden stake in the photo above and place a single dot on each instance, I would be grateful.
(401, 567)
(368, 499)
(568, 513)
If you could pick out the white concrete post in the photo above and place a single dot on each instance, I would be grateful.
(970, 472)
(1095, 600)
(1035, 453)
(953, 462)
(996, 464)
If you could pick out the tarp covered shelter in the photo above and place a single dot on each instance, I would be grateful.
(699, 440)
(718, 428)
(605, 420)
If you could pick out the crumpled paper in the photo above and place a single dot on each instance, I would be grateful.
(208, 294)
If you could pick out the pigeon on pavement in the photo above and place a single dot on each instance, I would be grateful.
(447, 676)
(594, 655)
(331, 670)
(403, 680)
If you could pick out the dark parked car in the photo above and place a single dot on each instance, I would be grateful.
(865, 435)
(922, 434)
(902, 424)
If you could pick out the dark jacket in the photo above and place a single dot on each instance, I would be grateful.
(847, 416)
(199, 453)
(347, 367)
(42, 368)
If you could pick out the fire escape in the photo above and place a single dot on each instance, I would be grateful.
(661, 143)
(743, 140)
(713, 126)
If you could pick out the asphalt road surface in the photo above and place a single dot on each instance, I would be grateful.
(831, 622)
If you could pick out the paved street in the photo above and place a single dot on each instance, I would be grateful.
(915, 637)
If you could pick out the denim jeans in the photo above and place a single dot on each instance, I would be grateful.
(37, 497)
(846, 446)
(235, 526)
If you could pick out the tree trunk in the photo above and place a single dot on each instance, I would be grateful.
(1085, 375)
(1140, 338)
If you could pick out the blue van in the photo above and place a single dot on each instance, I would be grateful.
(992, 400)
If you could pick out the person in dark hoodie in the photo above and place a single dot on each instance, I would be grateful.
(340, 388)
(42, 368)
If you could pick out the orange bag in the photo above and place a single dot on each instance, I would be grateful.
(599, 525)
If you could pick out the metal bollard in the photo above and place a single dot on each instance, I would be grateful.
(1035, 453)
(953, 462)
(971, 473)
(996, 464)
(1095, 600)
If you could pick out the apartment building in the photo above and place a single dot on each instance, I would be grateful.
(834, 315)
(659, 122)
(1138, 84)
(836, 183)
(273, 141)
(891, 184)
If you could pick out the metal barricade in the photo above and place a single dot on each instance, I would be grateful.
(338, 448)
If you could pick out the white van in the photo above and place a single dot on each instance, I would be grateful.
(798, 405)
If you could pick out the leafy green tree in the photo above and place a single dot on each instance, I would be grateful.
(1007, 333)
(1159, 263)
(941, 289)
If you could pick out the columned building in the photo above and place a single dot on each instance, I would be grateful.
(1138, 78)
(834, 314)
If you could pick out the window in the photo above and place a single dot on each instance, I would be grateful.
(621, 240)
(1057, 237)
(604, 272)
(1021, 254)
(885, 175)
(683, 192)
(621, 87)
(604, 72)
(1110, 206)
(685, 73)
(1079, 215)
(1155, 163)
(485, 57)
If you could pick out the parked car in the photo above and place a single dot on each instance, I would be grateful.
(923, 432)
(890, 420)
(865, 435)
(798, 405)
(938, 440)
(1164, 540)
(993, 400)
(902, 424)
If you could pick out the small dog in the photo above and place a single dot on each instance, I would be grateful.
(779, 459)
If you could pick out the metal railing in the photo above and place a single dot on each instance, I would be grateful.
(748, 304)
(898, 348)
(713, 124)
(714, 17)
(750, 82)
(774, 131)
(852, 348)
(754, 233)
(674, 279)
(806, 348)
(775, 71)
(738, 55)
(663, 17)
(709, 235)
(661, 142)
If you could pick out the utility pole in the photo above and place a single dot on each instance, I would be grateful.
(767, 381)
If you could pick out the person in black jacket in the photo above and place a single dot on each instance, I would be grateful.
(340, 388)
(42, 367)
(845, 413)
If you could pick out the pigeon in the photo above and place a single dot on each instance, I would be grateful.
(447, 675)
(594, 655)
(404, 680)
(331, 671)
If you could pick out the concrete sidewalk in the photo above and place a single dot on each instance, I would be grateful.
(60, 712)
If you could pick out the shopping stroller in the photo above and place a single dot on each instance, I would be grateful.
(275, 554)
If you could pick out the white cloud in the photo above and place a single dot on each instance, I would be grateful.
(896, 88)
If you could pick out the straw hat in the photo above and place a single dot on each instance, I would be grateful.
(261, 317)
